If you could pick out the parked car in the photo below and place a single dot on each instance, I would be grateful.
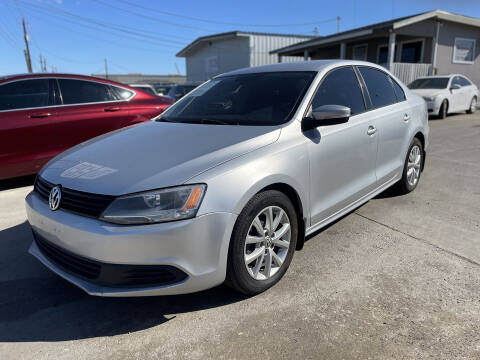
(149, 89)
(178, 91)
(226, 183)
(162, 90)
(447, 94)
(42, 115)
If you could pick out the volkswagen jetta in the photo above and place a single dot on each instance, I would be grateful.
(227, 182)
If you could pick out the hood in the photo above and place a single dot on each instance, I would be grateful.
(427, 92)
(152, 155)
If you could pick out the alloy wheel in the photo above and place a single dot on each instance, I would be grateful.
(267, 243)
(413, 165)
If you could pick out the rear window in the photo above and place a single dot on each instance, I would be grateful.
(24, 94)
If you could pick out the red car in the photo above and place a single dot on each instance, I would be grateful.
(42, 115)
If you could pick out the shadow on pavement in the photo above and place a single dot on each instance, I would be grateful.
(17, 182)
(37, 305)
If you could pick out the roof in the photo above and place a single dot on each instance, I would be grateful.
(313, 65)
(8, 78)
(232, 34)
(385, 26)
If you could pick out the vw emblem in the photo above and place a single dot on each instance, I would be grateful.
(55, 197)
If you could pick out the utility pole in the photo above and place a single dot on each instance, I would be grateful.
(338, 24)
(28, 60)
(106, 69)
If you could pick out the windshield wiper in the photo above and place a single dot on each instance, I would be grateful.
(214, 121)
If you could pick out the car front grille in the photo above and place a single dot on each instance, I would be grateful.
(80, 202)
(111, 275)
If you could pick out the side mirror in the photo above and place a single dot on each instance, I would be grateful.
(455, 87)
(326, 115)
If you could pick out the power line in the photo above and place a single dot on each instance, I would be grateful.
(218, 22)
(103, 25)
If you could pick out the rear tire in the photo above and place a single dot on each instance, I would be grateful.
(256, 264)
(412, 168)
(473, 106)
(443, 112)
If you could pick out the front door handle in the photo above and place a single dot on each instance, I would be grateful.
(371, 130)
(406, 117)
(39, 115)
(113, 108)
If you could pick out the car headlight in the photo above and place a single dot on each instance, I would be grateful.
(176, 203)
(429, 98)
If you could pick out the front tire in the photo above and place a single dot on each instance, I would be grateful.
(412, 168)
(473, 106)
(442, 114)
(262, 244)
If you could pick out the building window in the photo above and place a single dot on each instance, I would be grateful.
(411, 52)
(382, 54)
(464, 51)
(359, 52)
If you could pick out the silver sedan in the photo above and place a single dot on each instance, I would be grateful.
(225, 185)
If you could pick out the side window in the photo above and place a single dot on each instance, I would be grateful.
(398, 91)
(340, 87)
(464, 81)
(81, 91)
(456, 81)
(120, 93)
(24, 94)
(379, 86)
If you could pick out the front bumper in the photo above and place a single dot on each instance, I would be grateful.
(433, 107)
(197, 247)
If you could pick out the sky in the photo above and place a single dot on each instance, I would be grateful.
(141, 36)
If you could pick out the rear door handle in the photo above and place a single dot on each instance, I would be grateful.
(113, 108)
(406, 117)
(39, 115)
(371, 130)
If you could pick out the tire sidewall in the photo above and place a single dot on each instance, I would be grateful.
(236, 262)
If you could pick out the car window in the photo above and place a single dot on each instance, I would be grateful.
(464, 81)
(379, 86)
(429, 83)
(456, 81)
(81, 91)
(24, 94)
(267, 98)
(146, 89)
(121, 93)
(398, 91)
(340, 87)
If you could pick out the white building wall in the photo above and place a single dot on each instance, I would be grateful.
(261, 45)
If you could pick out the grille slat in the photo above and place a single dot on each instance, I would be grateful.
(109, 274)
(80, 202)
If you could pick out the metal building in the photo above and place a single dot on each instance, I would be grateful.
(211, 55)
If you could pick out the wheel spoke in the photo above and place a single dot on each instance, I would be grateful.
(281, 243)
(277, 220)
(258, 225)
(255, 254)
(276, 259)
(268, 263)
(283, 230)
(254, 239)
(258, 265)
(269, 221)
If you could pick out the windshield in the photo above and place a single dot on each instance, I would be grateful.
(429, 83)
(248, 99)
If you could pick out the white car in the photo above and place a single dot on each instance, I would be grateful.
(446, 94)
(149, 89)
